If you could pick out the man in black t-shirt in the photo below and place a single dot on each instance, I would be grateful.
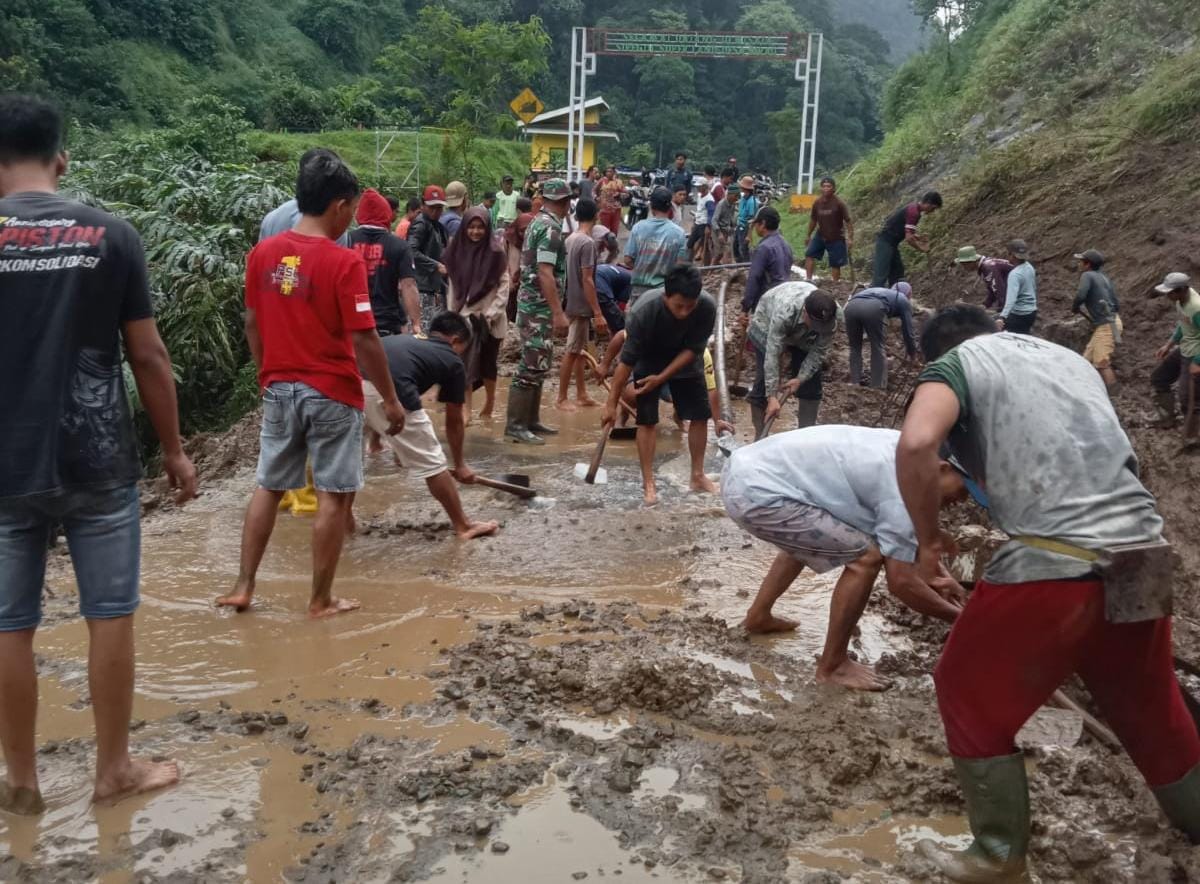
(667, 331)
(74, 288)
(416, 365)
(391, 272)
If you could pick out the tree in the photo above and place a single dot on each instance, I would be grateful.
(468, 73)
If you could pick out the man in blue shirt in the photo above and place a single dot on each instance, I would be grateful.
(868, 313)
(772, 261)
(747, 209)
(613, 287)
(656, 245)
(1020, 303)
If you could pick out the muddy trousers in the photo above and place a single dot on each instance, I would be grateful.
(1175, 371)
(1014, 644)
(808, 397)
(888, 268)
(866, 316)
(537, 344)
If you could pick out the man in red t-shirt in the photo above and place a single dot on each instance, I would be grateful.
(309, 325)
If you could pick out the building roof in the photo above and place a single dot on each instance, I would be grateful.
(555, 130)
(546, 116)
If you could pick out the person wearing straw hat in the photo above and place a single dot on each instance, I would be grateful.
(1179, 358)
(1096, 299)
(993, 272)
(747, 211)
(1020, 310)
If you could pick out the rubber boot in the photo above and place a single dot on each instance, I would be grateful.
(1180, 801)
(806, 412)
(758, 417)
(520, 405)
(1164, 404)
(998, 810)
(535, 420)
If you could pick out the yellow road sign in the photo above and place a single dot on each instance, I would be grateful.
(526, 105)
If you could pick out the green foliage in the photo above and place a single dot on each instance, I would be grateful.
(197, 200)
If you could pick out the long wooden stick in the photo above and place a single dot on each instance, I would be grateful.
(604, 383)
(1094, 727)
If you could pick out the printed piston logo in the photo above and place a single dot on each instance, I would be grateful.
(287, 274)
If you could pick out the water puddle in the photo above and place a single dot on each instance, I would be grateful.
(659, 782)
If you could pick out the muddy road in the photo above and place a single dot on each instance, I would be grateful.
(570, 700)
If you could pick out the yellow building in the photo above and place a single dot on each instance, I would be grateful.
(547, 135)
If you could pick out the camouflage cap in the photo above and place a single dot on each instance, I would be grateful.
(555, 189)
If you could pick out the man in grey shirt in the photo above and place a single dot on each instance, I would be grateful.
(1034, 425)
(582, 306)
(1019, 312)
(283, 218)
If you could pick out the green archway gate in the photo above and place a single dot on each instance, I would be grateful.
(804, 50)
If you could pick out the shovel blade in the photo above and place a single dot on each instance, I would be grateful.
(516, 479)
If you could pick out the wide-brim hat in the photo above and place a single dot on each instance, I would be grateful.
(968, 255)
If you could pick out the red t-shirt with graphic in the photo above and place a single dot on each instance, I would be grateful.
(308, 294)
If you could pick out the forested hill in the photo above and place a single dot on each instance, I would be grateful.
(312, 64)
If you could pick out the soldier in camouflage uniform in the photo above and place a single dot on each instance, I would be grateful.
(539, 312)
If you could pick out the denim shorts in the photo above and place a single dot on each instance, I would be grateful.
(837, 251)
(104, 534)
(300, 424)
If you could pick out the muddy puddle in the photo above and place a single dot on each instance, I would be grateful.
(571, 699)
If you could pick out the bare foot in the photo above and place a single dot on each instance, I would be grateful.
(135, 778)
(855, 676)
(239, 600)
(565, 405)
(704, 485)
(486, 414)
(336, 606)
(479, 529)
(21, 800)
(767, 623)
(650, 496)
(374, 443)
(586, 401)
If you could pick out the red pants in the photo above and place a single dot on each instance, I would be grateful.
(612, 220)
(1014, 644)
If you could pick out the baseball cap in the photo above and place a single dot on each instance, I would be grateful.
(973, 488)
(555, 189)
(456, 194)
(904, 288)
(1173, 281)
(967, 255)
(1019, 248)
(660, 199)
(822, 311)
(1093, 257)
(506, 178)
(434, 196)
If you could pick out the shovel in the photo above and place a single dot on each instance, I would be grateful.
(512, 483)
(593, 473)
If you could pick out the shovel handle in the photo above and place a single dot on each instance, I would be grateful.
(518, 490)
(597, 456)
(770, 422)
(604, 383)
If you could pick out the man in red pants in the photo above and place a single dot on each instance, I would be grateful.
(1031, 423)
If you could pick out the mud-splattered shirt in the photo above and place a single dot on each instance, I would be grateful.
(544, 244)
(71, 276)
(1038, 430)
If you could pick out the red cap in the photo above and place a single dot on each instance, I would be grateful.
(434, 196)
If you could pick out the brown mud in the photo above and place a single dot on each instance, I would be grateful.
(570, 700)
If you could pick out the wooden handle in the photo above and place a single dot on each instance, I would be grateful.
(604, 383)
(770, 422)
(518, 490)
(594, 466)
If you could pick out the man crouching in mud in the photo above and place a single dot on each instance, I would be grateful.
(827, 496)
(417, 365)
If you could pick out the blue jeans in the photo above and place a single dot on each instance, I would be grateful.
(300, 424)
(104, 533)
